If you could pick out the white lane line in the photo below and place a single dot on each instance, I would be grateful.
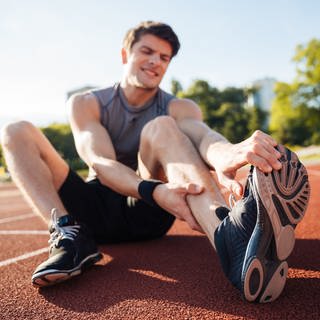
(9, 193)
(26, 232)
(23, 257)
(16, 218)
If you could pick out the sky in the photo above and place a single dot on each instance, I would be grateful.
(48, 48)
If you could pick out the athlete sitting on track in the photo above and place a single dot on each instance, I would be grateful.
(133, 132)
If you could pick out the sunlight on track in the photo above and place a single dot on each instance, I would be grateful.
(17, 218)
(155, 275)
(303, 273)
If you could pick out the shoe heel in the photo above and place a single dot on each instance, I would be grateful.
(276, 284)
(253, 280)
(90, 261)
(285, 241)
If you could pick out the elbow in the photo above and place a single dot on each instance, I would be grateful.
(100, 165)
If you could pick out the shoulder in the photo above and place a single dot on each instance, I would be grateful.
(184, 108)
(103, 95)
(83, 104)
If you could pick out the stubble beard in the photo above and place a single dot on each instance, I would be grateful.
(140, 85)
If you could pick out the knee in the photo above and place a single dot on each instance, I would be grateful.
(15, 132)
(160, 129)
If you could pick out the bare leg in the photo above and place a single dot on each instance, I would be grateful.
(35, 166)
(163, 145)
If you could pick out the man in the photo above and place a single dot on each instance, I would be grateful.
(134, 132)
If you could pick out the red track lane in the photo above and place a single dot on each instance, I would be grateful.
(176, 277)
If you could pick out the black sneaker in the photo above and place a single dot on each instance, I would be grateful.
(258, 235)
(71, 251)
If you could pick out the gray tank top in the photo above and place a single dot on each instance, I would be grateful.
(124, 122)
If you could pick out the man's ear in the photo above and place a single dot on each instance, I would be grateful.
(124, 55)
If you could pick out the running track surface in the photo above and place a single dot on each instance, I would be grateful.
(176, 277)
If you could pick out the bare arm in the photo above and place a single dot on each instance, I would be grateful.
(94, 146)
(189, 119)
(226, 158)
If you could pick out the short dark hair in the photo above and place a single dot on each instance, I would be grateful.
(158, 29)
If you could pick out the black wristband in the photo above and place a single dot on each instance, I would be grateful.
(146, 188)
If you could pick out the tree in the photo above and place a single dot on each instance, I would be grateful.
(176, 87)
(234, 95)
(257, 119)
(207, 97)
(2, 161)
(223, 110)
(307, 81)
(295, 113)
(233, 122)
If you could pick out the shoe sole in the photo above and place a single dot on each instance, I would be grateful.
(264, 284)
(53, 276)
(284, 195)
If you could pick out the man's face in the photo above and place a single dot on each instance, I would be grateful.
(147, 61)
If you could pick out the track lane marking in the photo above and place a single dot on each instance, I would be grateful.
(23, 232)
(43, 250)
(17, 218)
(23, 257)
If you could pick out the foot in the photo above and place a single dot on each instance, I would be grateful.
(71, 251)
(258, 235)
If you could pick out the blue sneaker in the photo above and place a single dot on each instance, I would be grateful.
(257, 236)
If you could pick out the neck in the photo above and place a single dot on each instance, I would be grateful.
(136, 96)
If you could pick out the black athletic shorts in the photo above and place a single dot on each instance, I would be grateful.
(110, 216)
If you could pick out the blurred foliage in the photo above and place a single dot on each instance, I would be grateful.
(61, 138)
(2, 162)
(225, 111)
(175, 87)
(295, 112)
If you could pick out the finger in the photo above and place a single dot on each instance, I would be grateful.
(186, 215)
(262, 135)
(260, 138)
(270, 153)
(232, 185)
(264, 159)
(193, 223)
(270, 140)
(199, 229)
(259, 162)
(270, 149)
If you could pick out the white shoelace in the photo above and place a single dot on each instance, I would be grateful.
(59, 233)
(232, 200)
